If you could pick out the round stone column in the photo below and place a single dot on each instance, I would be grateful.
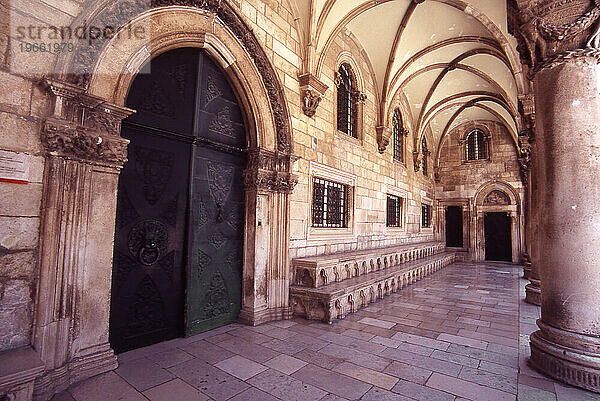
(532, 290)
(567, 103)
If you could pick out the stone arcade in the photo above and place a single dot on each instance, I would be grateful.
(168, 167)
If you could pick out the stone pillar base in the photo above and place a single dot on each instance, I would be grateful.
(18, 370)
(256, 317)
(77, 369)
(533, 292)
(572, 358)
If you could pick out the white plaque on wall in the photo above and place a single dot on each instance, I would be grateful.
(14, 167)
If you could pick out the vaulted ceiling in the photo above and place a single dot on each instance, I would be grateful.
(450, 60)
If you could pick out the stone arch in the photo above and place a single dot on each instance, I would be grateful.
(107, 68)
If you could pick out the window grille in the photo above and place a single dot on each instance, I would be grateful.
(346, 101)
(476, 145)
(425, 215)
(330, 204)
(394, 211)
(398, 136)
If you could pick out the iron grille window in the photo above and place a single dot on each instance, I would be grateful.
(425, 215)
(346, 102)
(425, 154)
(398, 136)
(394, 211)
(476, 145)
(330, 204)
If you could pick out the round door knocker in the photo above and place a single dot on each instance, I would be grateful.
(147, 241)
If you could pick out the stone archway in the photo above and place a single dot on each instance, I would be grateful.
(85, 154)
(497, 197)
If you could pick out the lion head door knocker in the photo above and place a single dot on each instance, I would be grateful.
(147, 241)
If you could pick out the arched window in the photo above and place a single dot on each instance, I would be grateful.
(346, 100)
(476, 145)
(398, 136)
(425, 152)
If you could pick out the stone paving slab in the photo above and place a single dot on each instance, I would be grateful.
(459, 334)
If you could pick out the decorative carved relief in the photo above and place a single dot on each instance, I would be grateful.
(74, 141)
(223, 123)
(220, 178)
(217, 239)
(495, 198)
(310, 102)
(167, 264)
(217, 300)
(552, 32)
(525, 154)
(178, 74)
(147, 240)
(269, 171)
(153, 167)
(204, 260)
(416, 161)
(147, 311)
(383, 137)
(212, 89)
(157, 103)
(119, 13)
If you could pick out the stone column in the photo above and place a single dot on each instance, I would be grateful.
(533, 290)
(84, 157)
(559, 40)
(266, 278)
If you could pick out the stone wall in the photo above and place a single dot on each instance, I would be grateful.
(22, 106)
(318, 141)
(462, 179)
(462, 182)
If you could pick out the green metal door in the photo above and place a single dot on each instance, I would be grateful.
(217, 204)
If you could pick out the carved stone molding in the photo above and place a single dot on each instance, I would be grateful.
(312, 91)
(270, 171)
(436, 174)
(74, 141)
(119, 13)
(553, 32)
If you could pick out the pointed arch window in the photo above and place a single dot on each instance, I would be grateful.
(476, 146)
(425, 152)
(347, 94)
(398, 132)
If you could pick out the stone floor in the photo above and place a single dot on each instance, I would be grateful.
(459, 334)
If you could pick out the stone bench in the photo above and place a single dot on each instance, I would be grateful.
(336, 300)
(18, 370)
(322, 270)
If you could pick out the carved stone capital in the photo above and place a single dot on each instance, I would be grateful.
(312, 91)
(383, 137)
(527, 110)
(551, 32)
(310, 102)
(525, 156)
(70, 140)
(270, 171)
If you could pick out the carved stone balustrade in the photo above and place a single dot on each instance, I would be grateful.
(352, 287)
(321, 270)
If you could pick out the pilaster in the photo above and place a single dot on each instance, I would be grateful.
(84, 154)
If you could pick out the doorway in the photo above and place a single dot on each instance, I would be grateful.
(498, 243)
(454, 226)
(178, 250)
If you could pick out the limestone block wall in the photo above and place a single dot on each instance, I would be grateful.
(22, 105)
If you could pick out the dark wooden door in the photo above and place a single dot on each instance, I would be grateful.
(497, 236)
(166, 222)
(454, 226)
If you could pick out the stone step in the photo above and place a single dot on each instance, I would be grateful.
(322, 270)
(336, 300)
